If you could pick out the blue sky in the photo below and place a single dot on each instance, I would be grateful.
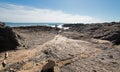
(85, 11)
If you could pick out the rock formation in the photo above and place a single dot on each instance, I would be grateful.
(105, 31)
(49, 67)
(81, 48)
(8, 39)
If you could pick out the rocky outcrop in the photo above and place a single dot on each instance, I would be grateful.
(67, 55)
(2, 24)
(30, 36)
(105, 31)
(37, 28)
(8, 39)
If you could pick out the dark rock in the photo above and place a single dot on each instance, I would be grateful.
(49, 67)
(94, 71)
(102, 58)
(111, 56)
(105, 31)
(2, 24)
(37, 28)
(8, 39)
(114, 62)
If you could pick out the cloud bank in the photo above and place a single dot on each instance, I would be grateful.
(17, 13)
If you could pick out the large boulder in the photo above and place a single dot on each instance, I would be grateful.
(8, 39)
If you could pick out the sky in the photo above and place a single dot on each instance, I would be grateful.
(63, 11)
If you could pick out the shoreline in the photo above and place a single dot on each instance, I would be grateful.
(79, 47)
(32, 24)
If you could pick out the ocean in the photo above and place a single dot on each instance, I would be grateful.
(32, 24)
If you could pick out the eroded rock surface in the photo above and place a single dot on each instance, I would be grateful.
(105, 31)
(71, 50)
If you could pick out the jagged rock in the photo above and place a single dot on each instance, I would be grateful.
(2, 24)
(8, 39)
(105, 31)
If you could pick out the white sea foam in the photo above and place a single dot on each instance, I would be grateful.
(61, 27)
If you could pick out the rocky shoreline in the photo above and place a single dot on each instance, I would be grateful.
(81, 48)
(104, 31)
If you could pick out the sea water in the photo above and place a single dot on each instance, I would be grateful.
(33, 24)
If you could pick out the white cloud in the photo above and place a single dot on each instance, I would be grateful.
(16, 13)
